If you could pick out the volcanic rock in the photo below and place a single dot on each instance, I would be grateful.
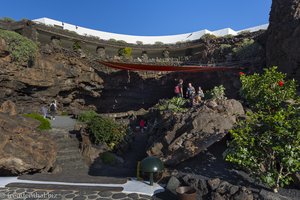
(22, 149)
(181, 136)
(283, 43)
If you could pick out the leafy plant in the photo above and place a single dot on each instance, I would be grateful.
(217, 93)
(105, 130)
(87, 116)
(125, 52)
(267, 143)
(76, 45)
(244, 33)
(176, 104)
(267, 91)
(208, 37)
(7, 19)
(122, 41)
(21, 48)
(246, 49)
(159, 43)
(44, 123)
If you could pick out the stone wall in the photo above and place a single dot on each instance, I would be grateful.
(283, 43)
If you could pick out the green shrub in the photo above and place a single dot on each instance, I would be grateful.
(76, 45)
(122, 41)
(248, 48)
(112, 40)
(208, 37)
(108, 158)
(7, 19)
(223, 49)
(87, 116)
(244, 33)
(159, 43)
(267, 143)
(217, 93)
(265, 92)
(21, 48)
(45, 124)
(176, 104)
(105, 130)
(125, 52)
(228, 36)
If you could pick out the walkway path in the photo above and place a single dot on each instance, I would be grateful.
(73, 171)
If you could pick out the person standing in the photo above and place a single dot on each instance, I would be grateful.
(53, 108)
(199, 96)
(179, 89)
(190, 93)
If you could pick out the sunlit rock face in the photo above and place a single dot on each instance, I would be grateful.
(22, 149)
(283, 43)
(182, 136)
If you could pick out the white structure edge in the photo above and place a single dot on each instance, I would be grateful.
(168, 39)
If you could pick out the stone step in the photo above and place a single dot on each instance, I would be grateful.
(67, 142)
(74, 167)
(69, 151)
(69, 157)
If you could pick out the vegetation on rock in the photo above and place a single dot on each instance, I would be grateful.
(76, 45)
(21, 48)
(248, 48)
(125, 52)
(208, 37)
(45, 124)
(7, 19)
(268, 91)
(217, 93)
(176, 104)
(87, 116)
(103, 130)
(267, 142)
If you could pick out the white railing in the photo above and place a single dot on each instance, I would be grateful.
(169, 39)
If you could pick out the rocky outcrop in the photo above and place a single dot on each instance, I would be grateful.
(52, 76)
(8, 107)
(217, 189)
(283, 44)
(178, 137)
(22, 149)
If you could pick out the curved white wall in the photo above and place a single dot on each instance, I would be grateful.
(169, 39)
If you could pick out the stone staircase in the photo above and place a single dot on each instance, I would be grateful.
(69, 158)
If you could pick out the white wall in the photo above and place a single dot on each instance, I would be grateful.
(145, 39)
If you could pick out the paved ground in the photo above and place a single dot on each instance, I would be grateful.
(38, 194)
(63, 122)
(24, 191)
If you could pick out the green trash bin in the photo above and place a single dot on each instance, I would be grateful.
(151, 165)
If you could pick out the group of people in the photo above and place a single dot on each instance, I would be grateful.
(52, 110)
(191, 93)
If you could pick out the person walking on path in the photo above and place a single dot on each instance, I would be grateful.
(190, 93)
(179, 89)
(53, 108)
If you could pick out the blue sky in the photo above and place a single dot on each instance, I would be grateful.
(145, 17)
